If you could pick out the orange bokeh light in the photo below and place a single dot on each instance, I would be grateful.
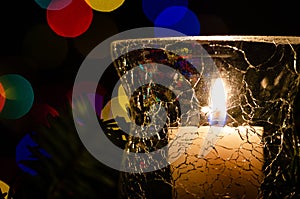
(2, 97)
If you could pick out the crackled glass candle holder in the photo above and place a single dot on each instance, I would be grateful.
(218, 109)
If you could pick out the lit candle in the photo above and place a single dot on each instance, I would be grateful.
(229, 163)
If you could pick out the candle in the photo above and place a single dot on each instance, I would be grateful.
(231, 168)
(221, 161)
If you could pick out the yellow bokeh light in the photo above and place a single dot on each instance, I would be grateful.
(104, 5)
(4, 188)
(122, 97)
(117, 107)
(11, 94)
(114, 109)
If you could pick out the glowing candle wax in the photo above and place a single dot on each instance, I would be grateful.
(231, 168)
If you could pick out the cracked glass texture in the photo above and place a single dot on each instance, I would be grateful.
(257, 153)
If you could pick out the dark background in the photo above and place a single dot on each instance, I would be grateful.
(51, 84)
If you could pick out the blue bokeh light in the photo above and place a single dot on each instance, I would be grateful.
(153, 8)
(23, 153)
(179, 18)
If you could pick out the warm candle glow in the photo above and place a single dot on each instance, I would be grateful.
(232, 168)
(218, 159)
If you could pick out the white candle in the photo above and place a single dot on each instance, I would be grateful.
(231, 167)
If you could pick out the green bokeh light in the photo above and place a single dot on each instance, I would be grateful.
(19, 96)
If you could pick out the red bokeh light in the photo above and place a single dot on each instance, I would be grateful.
(72, 20)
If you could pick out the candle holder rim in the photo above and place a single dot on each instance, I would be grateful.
(210, 38)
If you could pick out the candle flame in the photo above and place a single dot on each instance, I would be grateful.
(217, 117)
(218, 97)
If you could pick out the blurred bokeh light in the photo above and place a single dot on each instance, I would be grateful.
(53, 4)
(105, 5)
(4, 189)
(179, 18)
(153, 8)
(71, 21)
(2, 97)
(24, 153)
(19, 96)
